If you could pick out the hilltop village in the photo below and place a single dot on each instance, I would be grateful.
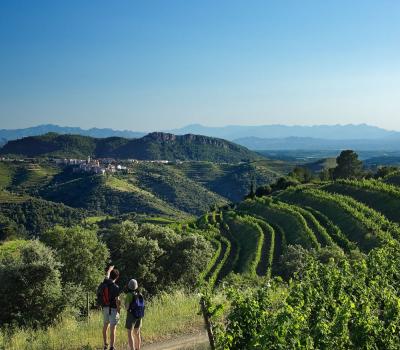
(102, 166)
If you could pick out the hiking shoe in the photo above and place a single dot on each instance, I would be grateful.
(105, 347)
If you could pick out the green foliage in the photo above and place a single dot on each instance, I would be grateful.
(264, 267)
(249, 236)
(82, 255)
(174, 187)
(393, 178)
(360, 223)
(231, 181)
(154, 146)
(286, 216)
(31, 217)
(301, 174)
(154, 255)
(218, 249)
(344, 304)
(222, 259)
(106, 194)
(320, 232)
(333, 230)
(348, 166)
(383, 197)
(30, 285)
(385, 171)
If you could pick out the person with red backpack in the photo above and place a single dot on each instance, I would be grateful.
(134, 305)
(108, 297)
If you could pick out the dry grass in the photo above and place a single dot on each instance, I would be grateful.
(167, 316)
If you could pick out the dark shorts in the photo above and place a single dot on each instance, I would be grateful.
(132, 322)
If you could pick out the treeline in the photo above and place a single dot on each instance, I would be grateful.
(348, 167)
(29, 218)
(42, 279)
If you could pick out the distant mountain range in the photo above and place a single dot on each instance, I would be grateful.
(154, 146)
(263, 137)
(390, 143)
(329, 132)
(13, 134)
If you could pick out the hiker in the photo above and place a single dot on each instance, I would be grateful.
(108, 297)
(134, 304)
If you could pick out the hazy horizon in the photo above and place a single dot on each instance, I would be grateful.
(202, 125)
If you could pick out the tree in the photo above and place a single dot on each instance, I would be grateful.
(348, 166)
(263, 191)
(301, 174)
(30, 284)
(82, 254)
(158, 257)
(326, 174)
(252, 193)
(385, 171)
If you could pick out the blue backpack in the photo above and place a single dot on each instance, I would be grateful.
(136, 307)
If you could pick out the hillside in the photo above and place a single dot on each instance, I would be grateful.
(347, 215)
(154, 146)
(25, 216)
(110, 195)
(149, 188)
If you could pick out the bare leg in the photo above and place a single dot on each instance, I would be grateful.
(105, 329)
(138, 338)
(130, 340)
(113, 334)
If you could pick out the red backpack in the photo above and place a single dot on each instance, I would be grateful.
(103, 294)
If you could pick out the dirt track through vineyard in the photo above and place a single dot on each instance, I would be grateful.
(180, 343)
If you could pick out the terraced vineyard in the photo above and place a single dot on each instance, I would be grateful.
(350, 215)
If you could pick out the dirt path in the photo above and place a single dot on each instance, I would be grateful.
(182, 342)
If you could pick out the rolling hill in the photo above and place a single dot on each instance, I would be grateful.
(24, 216)
(154, 146)
(172, 190)
(349, 215)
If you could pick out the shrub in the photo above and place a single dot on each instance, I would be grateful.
(82, 254)
(157, 256)
(30, 285)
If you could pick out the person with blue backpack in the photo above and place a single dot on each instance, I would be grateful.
(134, 305)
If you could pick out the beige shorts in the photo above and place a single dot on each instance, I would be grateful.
(112, 317)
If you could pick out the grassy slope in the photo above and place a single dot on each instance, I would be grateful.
(108, 194)
(231, 181)
(173, 187)
(166, 317)
(157, 189)
(26, 177)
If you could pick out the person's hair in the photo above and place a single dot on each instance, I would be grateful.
(114, 274)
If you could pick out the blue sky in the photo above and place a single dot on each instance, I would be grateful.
(152, 65)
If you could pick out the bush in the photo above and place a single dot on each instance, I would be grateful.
(30, 285)
(82, 254)
(343, 304)
(156, 255)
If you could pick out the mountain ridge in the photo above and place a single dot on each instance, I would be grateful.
(391, 143)
(154, 146)
(229, 132)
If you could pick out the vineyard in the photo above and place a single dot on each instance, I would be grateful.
(351, 215)
(323, 261)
